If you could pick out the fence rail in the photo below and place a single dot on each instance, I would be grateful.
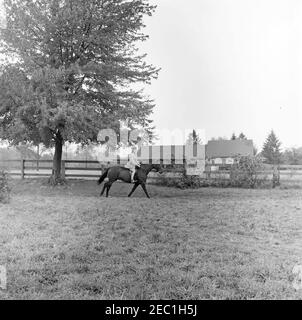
(72, 168)
(92, 169)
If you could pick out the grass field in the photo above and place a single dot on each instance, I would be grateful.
(67, 243)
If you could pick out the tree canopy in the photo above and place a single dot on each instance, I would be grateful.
(242, 136)
(75, 63)
(292, 156)
(271, 149)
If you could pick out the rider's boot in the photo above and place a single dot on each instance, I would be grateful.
(132, 177)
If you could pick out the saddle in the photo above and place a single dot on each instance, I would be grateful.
(136, 168)
(129, 170)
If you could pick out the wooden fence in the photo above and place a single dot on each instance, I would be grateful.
(286, 173)
(73, 168)
(92, 169)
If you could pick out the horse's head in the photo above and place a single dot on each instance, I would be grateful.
(158, 168)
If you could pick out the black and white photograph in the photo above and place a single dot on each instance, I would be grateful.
(150, 150)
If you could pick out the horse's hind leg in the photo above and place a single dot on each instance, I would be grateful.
(109, 184)
(104, 187)
(106, 184)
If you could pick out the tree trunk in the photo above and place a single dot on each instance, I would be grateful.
(56, 177)
(38, 157)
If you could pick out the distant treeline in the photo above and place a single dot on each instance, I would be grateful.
(291, 156)
(14, 153)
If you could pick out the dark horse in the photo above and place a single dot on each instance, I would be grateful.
(120, 173)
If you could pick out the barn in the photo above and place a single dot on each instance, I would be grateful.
(224, 151)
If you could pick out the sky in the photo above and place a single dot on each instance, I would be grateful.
(228, 66)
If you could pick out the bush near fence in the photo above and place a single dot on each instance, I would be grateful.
(192, 182)
(246, 172)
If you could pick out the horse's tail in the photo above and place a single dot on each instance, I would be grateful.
(103, 176)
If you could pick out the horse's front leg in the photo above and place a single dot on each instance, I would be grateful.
(145, 189)
(133, 189)
(104, 187)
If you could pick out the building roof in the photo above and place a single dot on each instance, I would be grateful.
(229, 148)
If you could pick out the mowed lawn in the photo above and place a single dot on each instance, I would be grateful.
(68, 243)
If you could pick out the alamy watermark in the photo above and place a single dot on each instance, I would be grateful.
(176, 143)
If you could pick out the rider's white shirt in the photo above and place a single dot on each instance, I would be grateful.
(132, 162)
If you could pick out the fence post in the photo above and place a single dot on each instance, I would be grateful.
(173, 156)
(276, 176)
(185, 166)
(150, 155)
(208, 171)
(22, 168)
(63, 169)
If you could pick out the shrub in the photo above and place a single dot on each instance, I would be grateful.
(184, 182)
(192, 182)
(4, 187)
(247, 172)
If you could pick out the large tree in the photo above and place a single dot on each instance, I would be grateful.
(271, 149)
(72, 69)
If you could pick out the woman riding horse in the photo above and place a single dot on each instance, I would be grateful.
(133, 163)
(120, 173)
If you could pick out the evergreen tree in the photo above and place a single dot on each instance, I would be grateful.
(193, 138)
(271, 149)
(242, 136)
(74, 65)
(233, 137)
